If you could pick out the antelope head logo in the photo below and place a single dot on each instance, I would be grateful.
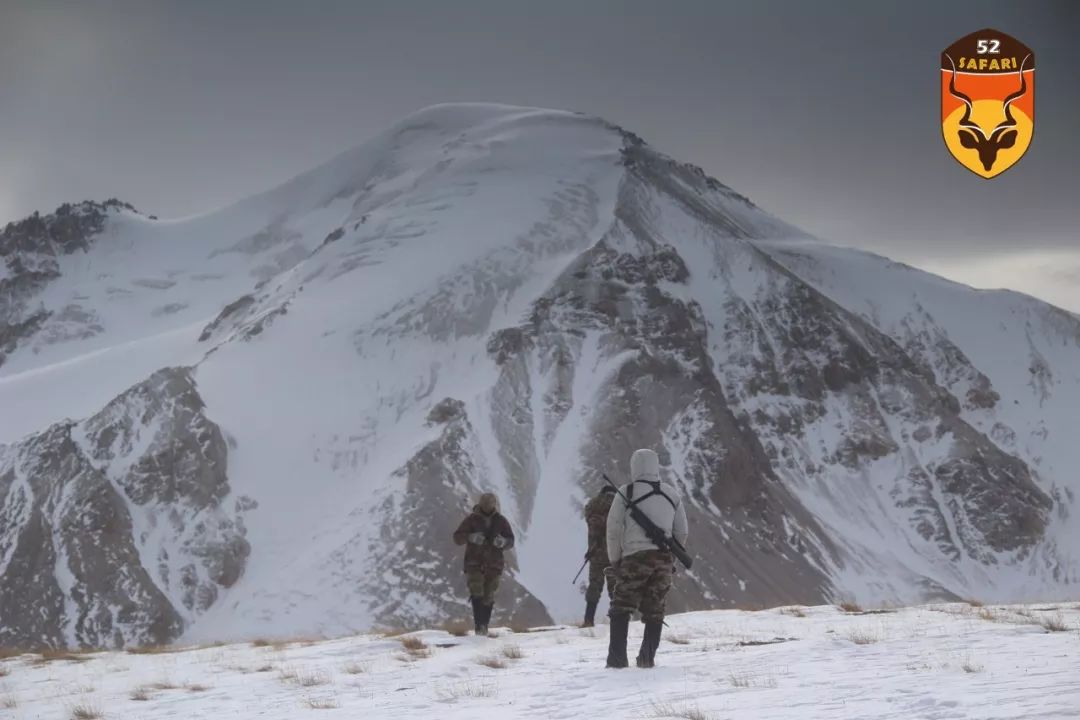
(971, 134)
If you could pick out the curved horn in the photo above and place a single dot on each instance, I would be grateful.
(966, 120)
(1009, 121)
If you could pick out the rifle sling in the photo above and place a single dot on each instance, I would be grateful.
(633, 505)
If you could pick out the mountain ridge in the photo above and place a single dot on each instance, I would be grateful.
(512, 299)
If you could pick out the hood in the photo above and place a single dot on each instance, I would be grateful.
(645, 465)
(487, 504)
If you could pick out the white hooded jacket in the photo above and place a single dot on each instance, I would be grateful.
(626, 537)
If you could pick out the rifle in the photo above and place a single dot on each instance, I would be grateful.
(658, 536)
(580, 570)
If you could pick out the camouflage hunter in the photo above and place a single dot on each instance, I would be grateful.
(486, 535)
(596, 512)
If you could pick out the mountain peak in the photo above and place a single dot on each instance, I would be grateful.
(838, 425)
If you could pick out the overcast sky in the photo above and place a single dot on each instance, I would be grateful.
(825, 113)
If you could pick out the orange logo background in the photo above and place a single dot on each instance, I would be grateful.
(987, 111)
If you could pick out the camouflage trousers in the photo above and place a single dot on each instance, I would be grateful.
(483, 584)
(598, 572)
(642, 581)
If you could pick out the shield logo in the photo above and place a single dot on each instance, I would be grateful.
(987, 101)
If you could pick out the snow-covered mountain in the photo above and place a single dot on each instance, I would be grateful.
(272, 416)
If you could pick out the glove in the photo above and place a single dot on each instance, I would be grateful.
(476, 538)
(499, 542)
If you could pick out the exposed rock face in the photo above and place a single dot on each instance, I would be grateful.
(423, 566)
(727, 429)
(118, 529)
(30, 250)
(509, 300)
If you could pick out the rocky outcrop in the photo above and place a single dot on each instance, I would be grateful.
(119, 529)
(421, 577)
(30, 251)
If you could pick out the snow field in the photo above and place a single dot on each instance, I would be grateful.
(938, 661)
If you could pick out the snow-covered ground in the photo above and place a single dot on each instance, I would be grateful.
(940, 661)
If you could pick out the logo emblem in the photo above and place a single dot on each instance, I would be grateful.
(987, 101)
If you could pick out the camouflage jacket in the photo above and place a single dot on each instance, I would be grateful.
(596, 512)
(485, 557)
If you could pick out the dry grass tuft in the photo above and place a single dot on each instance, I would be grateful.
(746, 680)
(794, 611)
(974, 603)
(265, 668)
(512, 652)
(6, 653)
(9, 702)
(415, 648)
(160, 685)
(519, 628)
(4, 671)
(141, 694)
(196, 687)
(1053, 623)
(261, 642)
(152, 650)
(684, 712)
(355, 668)
(450, 693)
(862, 637)
(413, 643)
(321, 703)
(304, 678)
(492, 661)
(1024, 616)
(678, 639)
(850, 607)
(85, 712)
(312, 679)
(47, 656)
(969, 666)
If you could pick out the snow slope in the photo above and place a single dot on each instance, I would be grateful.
(1021, 348)
(497, 298)
(934, 662)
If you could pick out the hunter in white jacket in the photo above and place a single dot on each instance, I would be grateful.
(643, 571)
(626, 537)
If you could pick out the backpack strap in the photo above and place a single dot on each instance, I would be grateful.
(655, 490)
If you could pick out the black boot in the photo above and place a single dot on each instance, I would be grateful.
(649, 642)
(478, 615)
(616, 654)
(590, 613)
(485, 617)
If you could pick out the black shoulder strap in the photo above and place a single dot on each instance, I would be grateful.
(654, 491)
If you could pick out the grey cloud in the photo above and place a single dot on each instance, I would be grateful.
(824, 113)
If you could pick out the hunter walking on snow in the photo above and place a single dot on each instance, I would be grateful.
(596, 512)
(486, 534)
(643, 570)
